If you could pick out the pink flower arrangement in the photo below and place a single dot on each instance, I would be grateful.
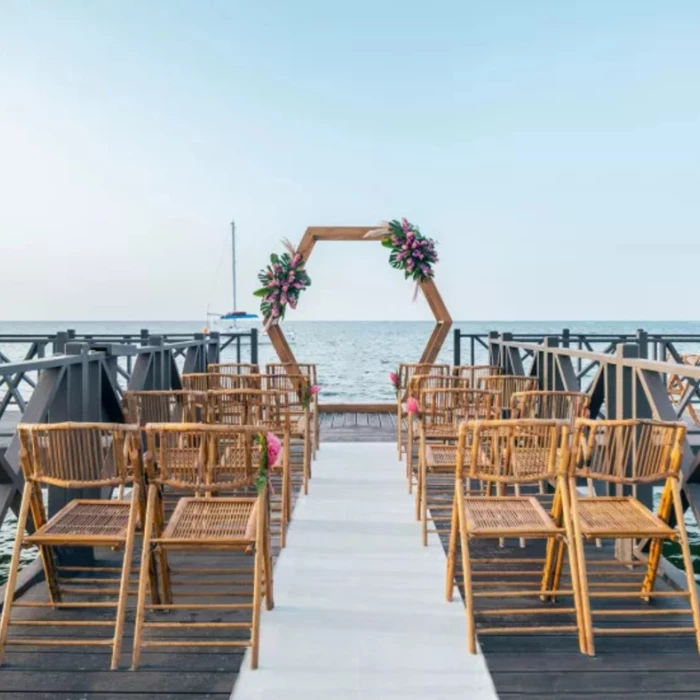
(315, 389)
(411, 251)
(274, 447)
(282, 282)
(394, 379)
(412, 406)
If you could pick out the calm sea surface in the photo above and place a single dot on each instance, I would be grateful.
(353, 357)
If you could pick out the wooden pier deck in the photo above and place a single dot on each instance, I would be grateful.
(532, 667)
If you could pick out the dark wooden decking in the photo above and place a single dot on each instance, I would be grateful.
(358, 427)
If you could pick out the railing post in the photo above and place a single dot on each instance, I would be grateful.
(565, 337)
(643, 343)
(144, 337)
(456, 347)
(254, 346)
(201, 350)
(550, 378)
(59, 343)
(494, 350)
(506, 362)
(213, 353)
(158, 362)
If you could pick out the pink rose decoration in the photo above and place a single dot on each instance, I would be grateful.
(315, 389)
(274, 447)
(412, 406)
(394, 379)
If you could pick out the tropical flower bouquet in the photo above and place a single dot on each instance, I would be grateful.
(411, 251)
(283, 280)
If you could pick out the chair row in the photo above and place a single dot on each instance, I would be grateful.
(219, 476)
(494, 458)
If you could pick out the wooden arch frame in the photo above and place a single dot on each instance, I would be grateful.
(443, 320)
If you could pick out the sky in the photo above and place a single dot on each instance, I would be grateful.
(551, 148)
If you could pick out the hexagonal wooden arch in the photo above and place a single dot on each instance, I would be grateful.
(443, 320)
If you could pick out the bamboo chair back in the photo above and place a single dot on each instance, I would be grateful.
(408, 370)
(449, 407)
(473, 373)
(307, 369)
(208, 381)
(202, 458)
(423, 382)
(627, 452)
(512, 451)
(76, 455)
(177, 406)
(269, 409)
(507, 385)
(297, 387)
(233, 368)
(559, 405)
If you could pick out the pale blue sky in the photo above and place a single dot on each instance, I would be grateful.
(552, 148)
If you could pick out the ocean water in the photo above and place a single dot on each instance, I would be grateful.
(353, 358)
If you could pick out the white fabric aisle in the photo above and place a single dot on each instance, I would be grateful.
(360, 609)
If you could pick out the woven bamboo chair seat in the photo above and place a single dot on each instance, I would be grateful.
(183, 460)
(498, 515)
(94, 520)
(619, 516)
(214, 520)
(444, 457)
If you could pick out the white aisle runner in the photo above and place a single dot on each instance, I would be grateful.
(360, 608)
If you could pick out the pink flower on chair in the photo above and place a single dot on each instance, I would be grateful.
(412, 406)
(274, 447)
(315, 389)
(394, 379)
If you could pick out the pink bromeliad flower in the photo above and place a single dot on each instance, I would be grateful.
(274, 447)
(412, 406)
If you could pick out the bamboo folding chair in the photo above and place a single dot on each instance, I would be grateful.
(309, 370)
(507, 385)
(475, 372)
(222, 458)
(504, 453)
(416, 385)
(406, 372)
(629, 453)
(175, 406)
(233, 368)
(209, 381)
(441, 413)
(78, 456)
(297, 388)
(268, 411)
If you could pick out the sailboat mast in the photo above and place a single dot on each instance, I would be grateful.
(233, 260)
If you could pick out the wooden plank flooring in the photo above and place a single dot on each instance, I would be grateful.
(358, 427)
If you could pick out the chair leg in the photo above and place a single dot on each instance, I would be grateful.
(687, 561)
(146, 558)
(268, 571)
(409, 450)
(257, 591)
(126, 574)
(424, 504)
(307, 461)
(468, 593)
(399, 427)
(452, 553)
(14, 569)
(579, 561)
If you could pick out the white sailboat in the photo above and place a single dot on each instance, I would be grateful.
(236, 320)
